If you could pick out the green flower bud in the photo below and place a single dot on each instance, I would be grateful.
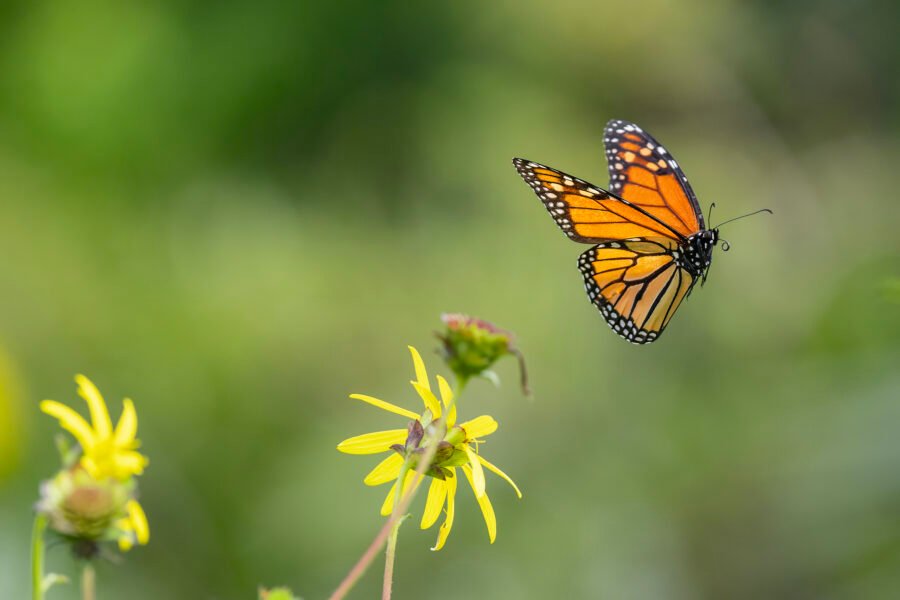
(471, 346)
(85, 510)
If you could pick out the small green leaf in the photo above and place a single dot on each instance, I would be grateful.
(51, 579)
(67, 454)
(492, 377)
(458, 459)
(280, 593)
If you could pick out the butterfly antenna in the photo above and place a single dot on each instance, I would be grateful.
(709, 212)
(755, 212)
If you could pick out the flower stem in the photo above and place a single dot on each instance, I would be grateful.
(391, 550)
(88, 584)
(37, 557)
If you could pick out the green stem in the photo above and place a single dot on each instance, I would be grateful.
(88, 583)
(391, 550)
(37, 557)
(460, 386)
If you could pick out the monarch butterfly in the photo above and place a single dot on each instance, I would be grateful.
(652, 244)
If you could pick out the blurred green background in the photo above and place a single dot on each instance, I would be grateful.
(239, 213)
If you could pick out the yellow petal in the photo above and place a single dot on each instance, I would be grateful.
(72, 422)
(99, 414)
(431, 403)
(385, 406)
(139, 522)
(421, 373)
(127, 425)
(387, 470)
(447, 398)
(126, 537)
(91, 466)
(388, 506)
(129, 463)
(372, 443)
(477, 479)
(447, 525)
(495, 470)
(490, 519)
(479, 427)
(437, 494)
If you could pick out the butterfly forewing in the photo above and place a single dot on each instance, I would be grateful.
(585, 212)
(636, 284)
(644, 173)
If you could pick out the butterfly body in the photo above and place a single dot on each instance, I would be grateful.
(650, 241)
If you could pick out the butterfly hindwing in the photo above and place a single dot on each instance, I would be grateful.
(637, 284)
(644, 173)
(585, 212)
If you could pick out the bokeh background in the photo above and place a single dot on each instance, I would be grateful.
(239, 213)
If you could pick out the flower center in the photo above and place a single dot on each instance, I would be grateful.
(450, 450)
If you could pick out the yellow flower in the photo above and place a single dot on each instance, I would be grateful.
(105, 452)
(457, 449)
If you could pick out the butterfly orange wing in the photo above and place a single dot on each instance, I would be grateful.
(636, 284)
(587, 213)
(644, 173)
